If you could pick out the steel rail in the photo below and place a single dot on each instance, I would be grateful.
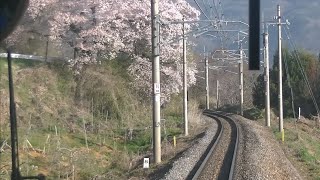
(208, 152)
(235, 152)
(211, 148)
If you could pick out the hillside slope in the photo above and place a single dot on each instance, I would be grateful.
(102, 132)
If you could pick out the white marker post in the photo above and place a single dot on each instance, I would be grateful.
(145, 163)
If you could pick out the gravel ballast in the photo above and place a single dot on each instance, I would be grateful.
(214, 166)
(188, 160)
(259, 156)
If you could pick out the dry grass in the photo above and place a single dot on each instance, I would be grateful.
(301, 145)
(52, 122)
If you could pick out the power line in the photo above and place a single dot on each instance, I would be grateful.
(298, 60)
(219, 18)
(205, 7)
(216, 9)
(201, 9)
(211, 8)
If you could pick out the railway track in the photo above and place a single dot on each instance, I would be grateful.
(219, 159)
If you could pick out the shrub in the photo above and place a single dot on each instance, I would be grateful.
(253, 113)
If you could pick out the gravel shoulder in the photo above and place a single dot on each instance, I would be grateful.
(260, 155)
(185, 163)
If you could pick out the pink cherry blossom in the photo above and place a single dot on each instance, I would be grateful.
(106, 27)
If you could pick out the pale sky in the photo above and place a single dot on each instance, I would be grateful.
(304, 18)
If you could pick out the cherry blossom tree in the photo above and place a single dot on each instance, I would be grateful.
(35, 10)
(95, 28)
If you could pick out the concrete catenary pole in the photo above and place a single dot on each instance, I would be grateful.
(266, 74)
(207, 80)
(217, 94)
(156, 80)
(241, 78)
(280, 71)
(185, 85)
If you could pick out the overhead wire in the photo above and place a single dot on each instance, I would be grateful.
(211, 9)
(219, 15)
(221, 9)
(180, 37)
(298, 60)
(201, 9)
(216, 9)
(205, 7)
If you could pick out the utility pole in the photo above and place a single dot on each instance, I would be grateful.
(47, 48)
(15, 174)
(156, 80)
(266, 74)
(185, 88)
(241, 78)
(280, 71)
(207, 79)
(217, 94)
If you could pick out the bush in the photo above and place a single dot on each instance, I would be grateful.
(253, 113)
(230, 108)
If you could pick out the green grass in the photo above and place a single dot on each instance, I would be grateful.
(306, 148)
(253, 113)
(302, 145)
(74, 140)
(305, 156)
(26, 63)
(64, 77)
(140, 143)
(3, 64)
(55, 107)
(119, 66)
(20, 63)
